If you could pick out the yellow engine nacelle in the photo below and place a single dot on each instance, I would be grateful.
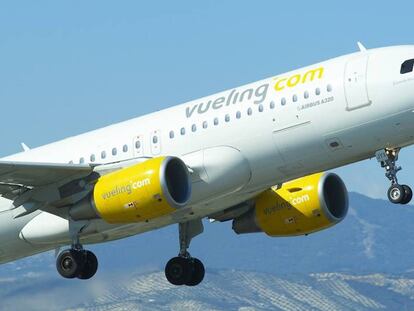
(301, 206)
(137, 193)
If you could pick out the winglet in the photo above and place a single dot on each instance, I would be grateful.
(361, 47)
(25, 147)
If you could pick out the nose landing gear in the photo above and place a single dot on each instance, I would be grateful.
(397, 194)
(400, 194)
(184, 269)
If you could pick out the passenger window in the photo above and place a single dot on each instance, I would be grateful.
(155, 139)
(171, 134)
(182, 131)
(318, 91)
(114, 151)
(103, 154)
(306, 95)
(227, 118)
(125, 148)
(216, 121)
(81, 160)
(238, 114)
(205, 124)
(92, 158)
(272, 105)
(194, 128)
(283, 101)
(260, 108)
(249, 111)
(70, 162)
(329, 88)
(137, 144)
(407, 66)
(295, 98)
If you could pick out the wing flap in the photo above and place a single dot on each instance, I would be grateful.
(16, 177)
(10, 191)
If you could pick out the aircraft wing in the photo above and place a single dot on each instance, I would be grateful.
(17, 177)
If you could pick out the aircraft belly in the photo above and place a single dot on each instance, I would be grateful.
(11, 246)
(110, 233)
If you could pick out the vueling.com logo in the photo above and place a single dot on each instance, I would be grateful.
(292, 81)
(127, 188)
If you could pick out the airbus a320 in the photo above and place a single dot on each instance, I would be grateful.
(256, 155)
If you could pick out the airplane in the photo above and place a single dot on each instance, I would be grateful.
(257, 155)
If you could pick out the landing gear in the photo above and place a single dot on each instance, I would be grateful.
(400, 194)
(77, 263)
(408, 195)
(198, 273)
(397, 194)
(90, 266)
(184, 269)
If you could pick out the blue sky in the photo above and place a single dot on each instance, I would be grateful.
(67, 67)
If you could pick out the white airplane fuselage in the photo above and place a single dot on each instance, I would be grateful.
(313, 119)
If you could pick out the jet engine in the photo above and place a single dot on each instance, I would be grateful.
(137, 193)
(299, 207)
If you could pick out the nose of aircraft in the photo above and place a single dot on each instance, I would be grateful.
(390, 79)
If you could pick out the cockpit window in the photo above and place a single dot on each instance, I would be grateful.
(407, 66)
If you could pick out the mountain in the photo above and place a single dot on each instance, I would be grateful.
(362, 263)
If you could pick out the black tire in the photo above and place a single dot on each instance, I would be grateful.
(408, 194)
(198, 273)
(90, 266)
(396, 194)
(178, 271)
(69, 263)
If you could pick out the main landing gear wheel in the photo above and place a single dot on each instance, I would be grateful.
(178, 271)
(397, 194)
(90, 266)
(77, 263)
(198, 273)
(184, 269)
(68, 264)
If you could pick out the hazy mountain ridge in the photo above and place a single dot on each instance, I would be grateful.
(364, 263)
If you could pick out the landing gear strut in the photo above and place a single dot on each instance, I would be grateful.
(184, 269)
(397, 194)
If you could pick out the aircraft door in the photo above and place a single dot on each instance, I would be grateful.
(356, 83)
(138, 146)
(155, 142)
